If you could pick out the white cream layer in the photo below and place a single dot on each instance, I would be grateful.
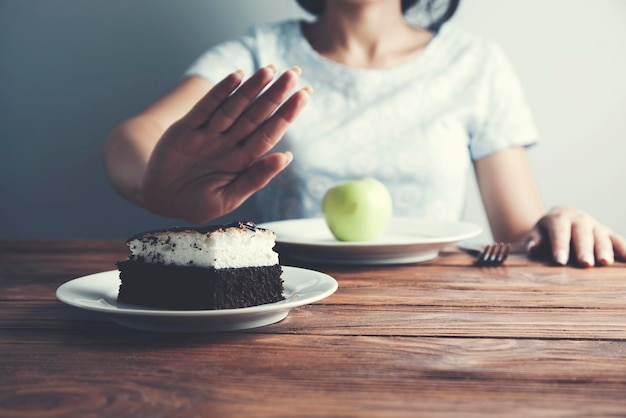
(220, 249)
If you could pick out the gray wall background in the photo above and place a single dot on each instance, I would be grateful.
(71, 69)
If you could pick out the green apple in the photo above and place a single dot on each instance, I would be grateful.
(358, 210)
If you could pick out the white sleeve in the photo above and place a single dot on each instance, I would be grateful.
(218, 62)
(506, 119)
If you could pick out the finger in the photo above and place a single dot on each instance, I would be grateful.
(603, 246)
(559, 230)
(265, 105)
(202, 111)
(619, 246)
(264, 138)
(258, 174)
(582, 241)
(226, 114)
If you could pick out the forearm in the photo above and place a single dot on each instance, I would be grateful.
(510, 196)
(126, 152)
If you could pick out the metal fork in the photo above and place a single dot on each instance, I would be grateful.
(493, 255)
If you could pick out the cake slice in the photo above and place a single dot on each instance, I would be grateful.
(213, 267)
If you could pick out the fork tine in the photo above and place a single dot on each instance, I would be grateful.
(506, 248)
(483, 256)
(498, 256)
(501, 254)
(493, 255)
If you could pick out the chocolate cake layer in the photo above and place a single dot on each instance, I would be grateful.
(195, 288)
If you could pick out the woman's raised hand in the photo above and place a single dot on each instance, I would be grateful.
(210, 161)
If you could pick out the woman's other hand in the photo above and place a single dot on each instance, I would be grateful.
(210, 161)
(568, 234)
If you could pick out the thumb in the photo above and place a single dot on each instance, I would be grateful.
(534, 241)
(537, 244)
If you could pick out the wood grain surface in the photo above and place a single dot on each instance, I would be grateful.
(435, 339)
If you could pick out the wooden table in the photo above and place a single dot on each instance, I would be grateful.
(435, 339)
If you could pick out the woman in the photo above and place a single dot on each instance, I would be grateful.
(413, 107)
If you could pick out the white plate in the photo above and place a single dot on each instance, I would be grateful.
(98, 292)
(407, 240)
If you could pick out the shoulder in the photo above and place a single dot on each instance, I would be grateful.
(274, 31)
(458, 43)
(462, 39)
(260, 40)
(471, 58)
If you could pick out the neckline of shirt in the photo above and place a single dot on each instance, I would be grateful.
(411, 64)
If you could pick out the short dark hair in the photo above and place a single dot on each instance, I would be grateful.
(316, 8)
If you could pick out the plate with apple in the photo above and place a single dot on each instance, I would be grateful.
(358, 228)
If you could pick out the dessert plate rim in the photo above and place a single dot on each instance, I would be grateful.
(98, 292)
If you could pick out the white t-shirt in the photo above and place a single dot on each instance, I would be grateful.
(416, 127)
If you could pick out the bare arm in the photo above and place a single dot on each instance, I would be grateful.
(509, 194)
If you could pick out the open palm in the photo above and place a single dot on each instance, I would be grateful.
(210, 161)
